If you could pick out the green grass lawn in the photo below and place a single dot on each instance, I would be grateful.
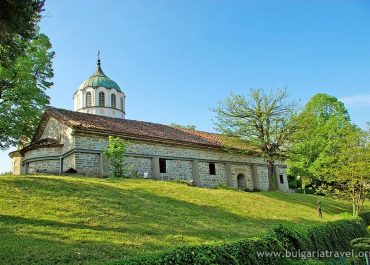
(80, 220)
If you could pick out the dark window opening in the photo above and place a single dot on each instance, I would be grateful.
(281, 179)
(241, 181)
(88, 99)
(162, 165)
(212, 169)
(113, 101)
(71, 171)
(101, 99)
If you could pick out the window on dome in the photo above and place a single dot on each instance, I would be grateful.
(121, 101)
(114, 101)
(101, 99)
(88, 99)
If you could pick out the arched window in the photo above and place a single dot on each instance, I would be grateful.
(101, 99)
(88, 99)
(121, 101)
(113, 101)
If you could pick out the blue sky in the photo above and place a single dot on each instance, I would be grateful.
(175, 59)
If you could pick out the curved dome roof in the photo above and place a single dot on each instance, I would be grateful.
(99, 79)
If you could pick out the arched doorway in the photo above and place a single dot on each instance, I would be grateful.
(241, 181)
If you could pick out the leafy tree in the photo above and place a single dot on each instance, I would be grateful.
(25, 70)
(18, 25)
(115, 153)
(22, 92)
(265, 121)
(189, 127)
(323, 121)
(352, 170)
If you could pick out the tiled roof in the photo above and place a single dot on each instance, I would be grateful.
(129, 128)
(42, 143)
(134, 129)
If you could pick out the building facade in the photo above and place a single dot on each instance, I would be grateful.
(73, 141)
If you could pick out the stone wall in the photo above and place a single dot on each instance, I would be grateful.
(88, 164)
(210, 181)
(263, 180)
(139, 158)
(69, 162)
(179, 163)
(44, 166)
(177, 170)
(58, 131)
(17, 160)
(244, 170)
(44, 152)
(138, 166)
(282, 186)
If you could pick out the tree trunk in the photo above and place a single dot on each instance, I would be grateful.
(270, 174)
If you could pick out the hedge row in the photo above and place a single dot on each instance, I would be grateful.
(329, 236)
(366, 217)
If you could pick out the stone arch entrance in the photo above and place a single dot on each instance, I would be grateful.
(241, 181)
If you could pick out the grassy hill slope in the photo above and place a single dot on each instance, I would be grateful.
(61, 220)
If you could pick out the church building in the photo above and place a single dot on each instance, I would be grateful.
(73, 141)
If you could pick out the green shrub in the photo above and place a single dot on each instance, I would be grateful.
(337, 235)
(243, 252)
(329, 236)
(292, 237)
(306, 191)
(366, 217)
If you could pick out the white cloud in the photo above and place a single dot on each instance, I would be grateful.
(356, 100)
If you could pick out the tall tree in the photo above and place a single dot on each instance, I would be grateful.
(25, 70)
(264, 120)
(352, 167)
(323, 120)
(18, 25)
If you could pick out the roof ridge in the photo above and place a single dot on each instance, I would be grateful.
(59, 112)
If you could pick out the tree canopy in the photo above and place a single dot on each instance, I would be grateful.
(323, 121)
(18, 25)
(25, 70)
(188, 127)
(264, 120)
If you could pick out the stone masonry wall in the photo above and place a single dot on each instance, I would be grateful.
(88, 164)
(138, 166)
(139, 160)
(58, 131)
(178, 170)
(263, 180)
(246, 171)
(69, 162)
(282, 186)
(44, 166)
(54, 130)
(210, 181)
(179, 162)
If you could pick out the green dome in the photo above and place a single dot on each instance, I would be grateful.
(99, 79)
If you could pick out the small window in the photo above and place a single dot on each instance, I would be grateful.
(113, 101)
(101, 99)
(88, 99)
(162, 165)
(212, 169)
(121, 101)
(281, 179)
